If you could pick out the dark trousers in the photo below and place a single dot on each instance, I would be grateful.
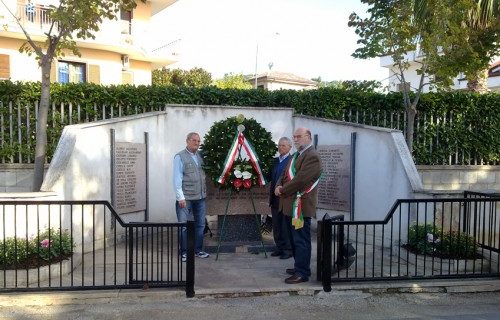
(301, 247)
(281, 234)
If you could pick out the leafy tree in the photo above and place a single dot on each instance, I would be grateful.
(434, 30)
(196, 77)
(70, 19)
(474, 40)
(232, 81)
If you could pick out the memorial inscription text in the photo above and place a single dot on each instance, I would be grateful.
(130, 177)
(334, 186)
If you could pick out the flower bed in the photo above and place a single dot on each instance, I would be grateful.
(45, 248)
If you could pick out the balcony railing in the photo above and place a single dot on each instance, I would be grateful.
(33, 15)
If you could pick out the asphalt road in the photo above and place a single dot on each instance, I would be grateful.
(333, 305)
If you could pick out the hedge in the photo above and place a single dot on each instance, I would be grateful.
(451, 127)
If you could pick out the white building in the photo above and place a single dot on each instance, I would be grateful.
(274, 80)
(413, 78)
(121, 52)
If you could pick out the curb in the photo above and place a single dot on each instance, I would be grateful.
(164, 295)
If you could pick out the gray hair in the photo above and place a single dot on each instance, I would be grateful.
(286, 139)
(190, 135)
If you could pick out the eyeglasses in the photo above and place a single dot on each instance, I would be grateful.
(300, 136)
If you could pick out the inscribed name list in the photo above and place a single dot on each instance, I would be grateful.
(130, 177)
(334, 187)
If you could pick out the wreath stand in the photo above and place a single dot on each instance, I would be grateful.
(257, 222)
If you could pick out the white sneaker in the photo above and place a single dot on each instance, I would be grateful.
(184, 257)
(202, 254)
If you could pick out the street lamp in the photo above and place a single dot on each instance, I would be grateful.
(257, 59)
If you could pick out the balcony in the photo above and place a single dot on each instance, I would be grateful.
(33, 16)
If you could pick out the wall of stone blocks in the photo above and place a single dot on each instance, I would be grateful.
(460, 178)
(16, 177)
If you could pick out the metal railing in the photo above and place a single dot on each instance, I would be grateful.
(79, 245)
(33, 14)
(418, 239)
(18, 124)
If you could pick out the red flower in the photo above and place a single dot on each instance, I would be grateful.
(237, 183)
(247, 183)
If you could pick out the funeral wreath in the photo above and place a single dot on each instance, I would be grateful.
(237, 153)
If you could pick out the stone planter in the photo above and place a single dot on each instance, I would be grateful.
(32, 277)
(436, 265)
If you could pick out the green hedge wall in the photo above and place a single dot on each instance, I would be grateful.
(451, 127)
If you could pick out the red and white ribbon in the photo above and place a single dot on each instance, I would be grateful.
(297, 216)
(241, 140)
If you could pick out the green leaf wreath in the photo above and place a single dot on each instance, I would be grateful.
(216, 145)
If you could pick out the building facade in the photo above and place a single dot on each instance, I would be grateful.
(274, 80)
(121, 53)
(412, 78)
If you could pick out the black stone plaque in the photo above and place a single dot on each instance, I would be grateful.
(335, 185)
(130, 177)
(239, 228)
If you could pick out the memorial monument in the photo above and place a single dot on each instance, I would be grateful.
(237, 167)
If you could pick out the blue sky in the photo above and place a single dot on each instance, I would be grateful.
(307, 37)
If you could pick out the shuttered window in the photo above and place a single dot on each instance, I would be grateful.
(94, 74)
(4, 66)
(127, 77)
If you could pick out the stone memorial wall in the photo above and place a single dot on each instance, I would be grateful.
(335, 184)
(129, 177)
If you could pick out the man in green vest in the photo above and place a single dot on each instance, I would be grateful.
(190, 193)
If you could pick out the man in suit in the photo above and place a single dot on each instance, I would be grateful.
(297, 189)
(280, 229)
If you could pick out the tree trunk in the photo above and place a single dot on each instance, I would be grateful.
(41, 125)
(411, 112)
(478, 82)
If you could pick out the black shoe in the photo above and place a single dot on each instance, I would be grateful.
(276, 253)
(285, 256)
(295, 279)
(290, 271)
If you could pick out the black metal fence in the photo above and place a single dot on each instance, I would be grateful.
(419, 238)
(78, 245)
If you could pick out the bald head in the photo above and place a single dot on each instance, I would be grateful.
(302, 138)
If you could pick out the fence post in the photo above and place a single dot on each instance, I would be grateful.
(326, 262)
(190, 260)
(319, 250)
(130, 255)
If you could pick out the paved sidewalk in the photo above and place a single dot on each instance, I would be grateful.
(243, 273)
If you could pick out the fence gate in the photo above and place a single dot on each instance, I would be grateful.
(418, 239)
(82, 245)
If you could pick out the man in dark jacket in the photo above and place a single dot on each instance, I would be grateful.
(280, 229)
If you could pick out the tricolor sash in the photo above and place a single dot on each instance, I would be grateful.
(240, 140)
(297, 216)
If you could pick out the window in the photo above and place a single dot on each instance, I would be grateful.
(126, 18)
(71, 72)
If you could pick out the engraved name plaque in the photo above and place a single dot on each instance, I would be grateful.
(130, 177)
(334, 186)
